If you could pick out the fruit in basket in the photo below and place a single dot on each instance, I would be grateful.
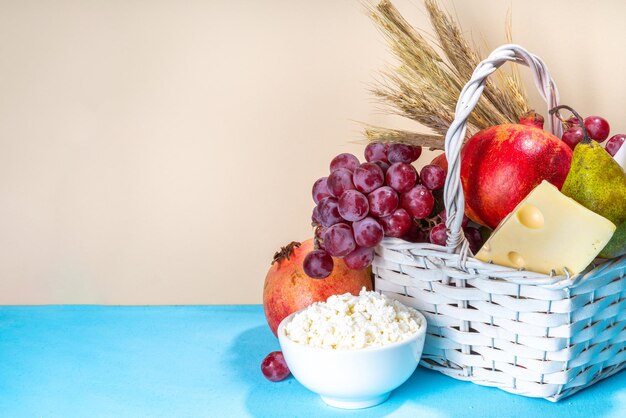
(376, 151)
(597, 128)
(474, 238)
(288, 289)
(595, 179)
(353, 205)
(357, 205)
(441, 161)
(403, 153)
(320, 189)
(383, 201)
(533, 236)
(620, 157)
(318, 264)
(598, 182)
(418, 202)
(339, 240)
(368, 177)
(346, 161)
(532, 118)
(328, 211)
(401, 177)
(433, 176)
(438, 234)
(617, 245)
(360, 258)
(397, 224)
(614, 144)
(500, 165)
(339, 181)
(572, 136)
(368, 232)
(571, 121)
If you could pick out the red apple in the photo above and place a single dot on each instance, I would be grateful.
(288, 289)
(500, 165)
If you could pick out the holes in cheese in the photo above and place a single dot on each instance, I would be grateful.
(548, 231)
(531, 217)
(516, 259)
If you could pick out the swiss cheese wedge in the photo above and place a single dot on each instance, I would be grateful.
(548, 231)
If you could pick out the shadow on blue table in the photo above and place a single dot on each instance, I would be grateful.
(425, 394)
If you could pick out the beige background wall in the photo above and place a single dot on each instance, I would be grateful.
(159, 152)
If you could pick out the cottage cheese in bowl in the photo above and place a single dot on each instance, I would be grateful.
(353, 350)
(353, 322)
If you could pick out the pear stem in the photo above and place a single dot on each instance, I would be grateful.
(579, 119)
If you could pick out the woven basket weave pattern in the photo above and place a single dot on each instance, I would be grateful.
(527, 333)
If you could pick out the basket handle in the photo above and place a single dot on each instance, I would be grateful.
(454, 200)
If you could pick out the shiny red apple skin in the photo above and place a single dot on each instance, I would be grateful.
(500, 165)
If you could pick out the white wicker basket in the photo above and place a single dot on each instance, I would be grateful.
(526, 333)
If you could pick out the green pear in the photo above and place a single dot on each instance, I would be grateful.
(617, 245)
(597, 181)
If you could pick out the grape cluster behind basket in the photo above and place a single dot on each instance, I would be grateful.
(527, 333)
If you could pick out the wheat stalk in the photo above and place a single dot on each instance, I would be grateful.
(379, 134)
(425, 85)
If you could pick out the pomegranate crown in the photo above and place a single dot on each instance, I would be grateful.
(285, 252)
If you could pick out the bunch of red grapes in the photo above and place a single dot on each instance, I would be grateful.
(597, 128)
(359, 204)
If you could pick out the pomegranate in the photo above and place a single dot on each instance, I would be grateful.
(288, 289)
(532, 118)
(500, 165)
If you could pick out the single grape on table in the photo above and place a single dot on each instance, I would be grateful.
(274, 367)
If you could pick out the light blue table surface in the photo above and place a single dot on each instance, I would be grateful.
(204, 361)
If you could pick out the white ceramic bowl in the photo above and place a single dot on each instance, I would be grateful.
(353, 379)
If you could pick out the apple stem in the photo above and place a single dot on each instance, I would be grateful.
(579, 119)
